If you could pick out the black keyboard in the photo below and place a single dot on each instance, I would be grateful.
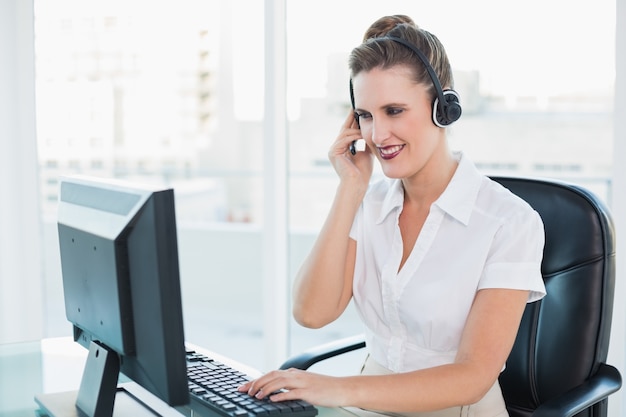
(213, 391)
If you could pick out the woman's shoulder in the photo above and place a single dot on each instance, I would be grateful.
(495, 198)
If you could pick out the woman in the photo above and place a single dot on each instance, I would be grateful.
(439, 259)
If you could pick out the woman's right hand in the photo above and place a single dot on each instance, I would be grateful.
(350, 167)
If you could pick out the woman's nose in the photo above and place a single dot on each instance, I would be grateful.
(380, 131)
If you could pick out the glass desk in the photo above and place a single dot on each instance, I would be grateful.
(56, 365)
(30, 368)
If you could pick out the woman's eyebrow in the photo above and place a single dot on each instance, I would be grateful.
(383, 106)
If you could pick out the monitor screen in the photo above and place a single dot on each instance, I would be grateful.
(119, 261)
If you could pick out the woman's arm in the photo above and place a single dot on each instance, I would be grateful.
(487, 340)
(323, 285)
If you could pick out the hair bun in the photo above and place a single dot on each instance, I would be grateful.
(386, 23)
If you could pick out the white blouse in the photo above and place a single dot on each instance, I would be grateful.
(477, 235)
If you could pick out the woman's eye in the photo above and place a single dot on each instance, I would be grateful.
(392, 111)
(363, 115)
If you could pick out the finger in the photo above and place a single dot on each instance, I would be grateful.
(355, 122)
(285, 395)
(244, 387)
(271, 388)
(254, 386)
(262, 386)
(350, 121)
(277, 383)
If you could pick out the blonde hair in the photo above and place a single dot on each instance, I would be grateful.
(378, 52)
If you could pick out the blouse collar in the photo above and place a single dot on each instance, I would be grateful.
(457, 200)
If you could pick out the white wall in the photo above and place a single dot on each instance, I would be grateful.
(20, 261)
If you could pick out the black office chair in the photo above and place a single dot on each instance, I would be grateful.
(558, 364)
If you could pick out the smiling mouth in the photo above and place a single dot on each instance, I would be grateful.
(389, 152)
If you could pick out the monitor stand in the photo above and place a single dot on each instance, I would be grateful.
(99, 394)
(131, 400)
(63, 404)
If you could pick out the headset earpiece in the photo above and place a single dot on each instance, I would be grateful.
(444, 114)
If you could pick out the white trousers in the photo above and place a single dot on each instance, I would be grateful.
(491, 405)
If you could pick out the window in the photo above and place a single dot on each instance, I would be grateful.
(184, 107)
(146, 104)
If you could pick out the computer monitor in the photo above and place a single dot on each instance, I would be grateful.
(119, 261)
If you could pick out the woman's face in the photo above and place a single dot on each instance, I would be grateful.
(395, 116)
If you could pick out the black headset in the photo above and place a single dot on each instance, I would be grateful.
(446, 107)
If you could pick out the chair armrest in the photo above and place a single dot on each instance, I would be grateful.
(316, 354)
(603, 383)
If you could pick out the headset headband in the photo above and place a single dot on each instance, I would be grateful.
(422, 57)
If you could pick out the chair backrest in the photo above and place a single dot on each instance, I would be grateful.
(564, 338)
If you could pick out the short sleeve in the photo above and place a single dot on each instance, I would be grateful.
(515, 257)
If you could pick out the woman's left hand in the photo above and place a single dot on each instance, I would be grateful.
(295, 384)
